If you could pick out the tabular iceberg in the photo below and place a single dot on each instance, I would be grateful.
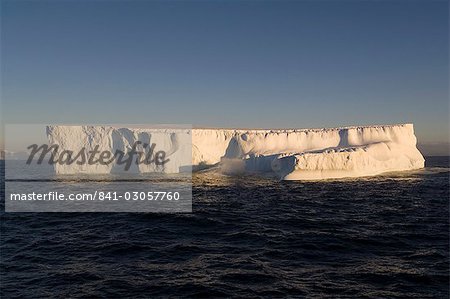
(290, 154)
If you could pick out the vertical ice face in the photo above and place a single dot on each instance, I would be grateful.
(175, 143)
(289, 154)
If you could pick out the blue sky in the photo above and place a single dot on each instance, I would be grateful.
(227, 64)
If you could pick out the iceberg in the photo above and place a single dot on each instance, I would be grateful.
(289, 154)
(86, 147)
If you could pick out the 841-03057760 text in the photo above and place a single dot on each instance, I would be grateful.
(99, 196)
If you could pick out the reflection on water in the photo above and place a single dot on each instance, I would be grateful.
(384, 236)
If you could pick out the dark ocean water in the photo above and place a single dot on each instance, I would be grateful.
(385, 236)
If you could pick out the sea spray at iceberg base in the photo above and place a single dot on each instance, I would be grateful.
(289, 154)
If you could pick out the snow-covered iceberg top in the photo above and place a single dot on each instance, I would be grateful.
(290, 154)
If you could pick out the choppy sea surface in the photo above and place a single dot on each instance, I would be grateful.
(384, 236)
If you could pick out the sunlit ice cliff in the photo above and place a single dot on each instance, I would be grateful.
(289, 154)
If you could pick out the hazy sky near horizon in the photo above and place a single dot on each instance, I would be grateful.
(227, 64)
